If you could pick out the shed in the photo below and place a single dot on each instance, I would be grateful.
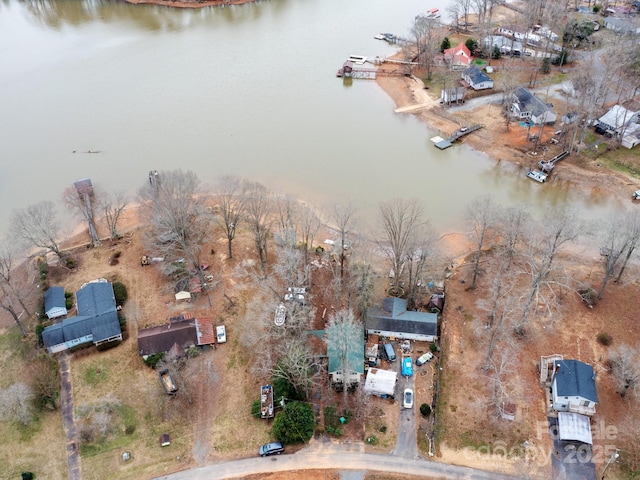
(381, 382)
(183, 295)
(165, 440)
(55, 303)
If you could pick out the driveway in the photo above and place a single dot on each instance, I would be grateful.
(68, 420)
(570, 460)
(406, 446)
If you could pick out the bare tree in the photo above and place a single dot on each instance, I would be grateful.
(400, 222)
(16, 402)
(44, 380)
(37, 225)
(308, 225)
(344, 219)
(344, 337)
(15, 286)
(615, 244)
(632, 223)
(259, 213)
(177, 216)
(361, 287)
(625, 368)
(512, 223)
(112, 205)
(424, 32)
(482, 215)
(556, 228)
(230, 207)
(298, 366)
(79, 200)
(419, 251)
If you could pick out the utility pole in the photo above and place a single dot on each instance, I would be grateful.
(615, 455)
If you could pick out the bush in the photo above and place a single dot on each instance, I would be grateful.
(28, 476)
(433, 348)
(425, 410)
(120, 292)
(122, 320)
(68, 300)
(294, 424)
(255, 408)
(605, 339)
(71, 263)
(372, 440)
(152, 360)
(129, 429)
(43, 268)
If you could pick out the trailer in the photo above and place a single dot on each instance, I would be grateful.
(266, 401)
(168, 383)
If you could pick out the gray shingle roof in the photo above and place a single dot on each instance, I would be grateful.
(97, 317)
(575, 378)
(529, 102)
(394, 316)
(476, 75)
(54, 298)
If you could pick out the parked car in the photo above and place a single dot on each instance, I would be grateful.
(424, 358)
(636, 195)
(221, 333)
(407, 398)
(274, 448)
(407, 367)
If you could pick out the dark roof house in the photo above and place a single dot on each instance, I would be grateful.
(527, 105)
(573, 388)
(97, 320)
(392, 319)
(476, 78)
(55, 304)
(180, 331)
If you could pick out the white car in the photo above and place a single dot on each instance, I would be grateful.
(407, 398)
(221, 333)
(424, 358)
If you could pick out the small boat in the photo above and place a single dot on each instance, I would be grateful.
(379, 36)
(357, 59)
(537, 175)
(433, 13)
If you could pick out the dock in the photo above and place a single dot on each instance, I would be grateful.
(547, 166)
(443, 143)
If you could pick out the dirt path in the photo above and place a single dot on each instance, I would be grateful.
(68, 420)
(207, 380)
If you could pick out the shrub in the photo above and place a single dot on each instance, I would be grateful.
(152, 360)
(605, 339)
(68, 300)
(71, 263)
(255, 408)
(129, 429)
(433, 348)
(28, 476)
(425, 410)
(43, 268)
(122, 320)
(372, 440)
(120, 292)
(294, 424)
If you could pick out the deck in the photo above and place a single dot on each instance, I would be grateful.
(443, 143)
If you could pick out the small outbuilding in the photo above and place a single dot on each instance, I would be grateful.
(55, 303)
(381, 382)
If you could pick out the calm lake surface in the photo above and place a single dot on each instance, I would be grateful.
(247, 90)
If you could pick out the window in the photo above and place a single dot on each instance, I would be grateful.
(585, 403)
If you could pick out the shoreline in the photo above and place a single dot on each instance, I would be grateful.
(190, 4)
(586, 178)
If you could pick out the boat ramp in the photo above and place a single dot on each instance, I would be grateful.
(443, 143)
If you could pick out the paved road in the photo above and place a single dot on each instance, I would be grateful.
(68, 421)
(319, 455)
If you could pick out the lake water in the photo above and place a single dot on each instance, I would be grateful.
(247, 90)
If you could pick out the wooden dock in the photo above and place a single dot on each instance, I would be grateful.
(443, 143)
(367, 73)
(548, 165)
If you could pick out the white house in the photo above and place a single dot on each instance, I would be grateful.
(527, 106)
(631, 136)
(617, 119)
(507, 46)
(476, 78)
(573, 387)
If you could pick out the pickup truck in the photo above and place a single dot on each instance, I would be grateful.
(167, 382)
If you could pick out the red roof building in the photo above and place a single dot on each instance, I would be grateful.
(458, 56)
